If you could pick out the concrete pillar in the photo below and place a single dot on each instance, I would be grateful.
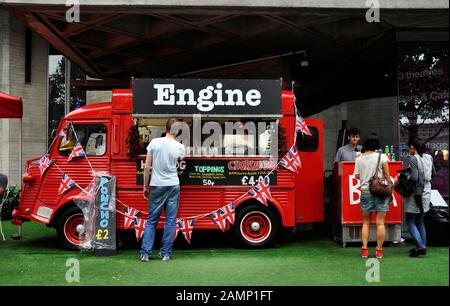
(34, 95)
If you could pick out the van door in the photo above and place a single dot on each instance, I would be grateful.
(95, 140)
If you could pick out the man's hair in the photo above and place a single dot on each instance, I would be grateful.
(418, 145)
(372, 143)
(353, 131)
(170, 123)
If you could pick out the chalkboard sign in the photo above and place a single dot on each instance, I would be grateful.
(220, 172)
(105, 216)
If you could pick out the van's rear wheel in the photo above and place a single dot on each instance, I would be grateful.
(70, 228)
(256, 226)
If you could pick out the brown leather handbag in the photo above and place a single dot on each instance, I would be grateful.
(380, 186)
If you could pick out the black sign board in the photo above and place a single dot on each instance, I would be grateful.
(105, 216)
(221, 172)
(206, 96)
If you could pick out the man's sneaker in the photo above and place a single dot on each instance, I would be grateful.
(144, 258)
(417, 252)
(379, 253)
(165, 258)
(364, 252)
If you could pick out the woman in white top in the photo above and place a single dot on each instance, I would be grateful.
(365, 168)
(422, 171)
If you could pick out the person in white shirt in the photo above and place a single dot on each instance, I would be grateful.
(365, 168)
(163, 155)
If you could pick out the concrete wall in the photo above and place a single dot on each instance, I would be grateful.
(34, 95)
(373, 115)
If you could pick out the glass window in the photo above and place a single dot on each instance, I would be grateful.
(91, 136)
(307, 143)
(218, 137)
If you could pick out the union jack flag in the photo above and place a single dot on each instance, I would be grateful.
(263, 188)
(62, 134)
(227, 212)
(77, 151)
(257, 196)
(300, 126)
(130, 215)
(44, 163)
(291, 160)
(66, 184)
(220, 220)
(177, 229)
(186, 227)
(139, 227)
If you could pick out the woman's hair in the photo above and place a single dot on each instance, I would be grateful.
(418, 145)
(372, 143)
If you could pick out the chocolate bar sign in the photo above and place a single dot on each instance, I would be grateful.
(206, 96)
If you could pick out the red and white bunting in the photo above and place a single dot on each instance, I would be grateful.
(66, 184)
(130, 215)
(291, 161)
(300, 126)
(220, 220)
(263, 187)
(44, 164)
(77, 151)
(228, 212)
(139, 227)
(186, 226)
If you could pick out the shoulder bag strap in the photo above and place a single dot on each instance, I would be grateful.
(378, 163)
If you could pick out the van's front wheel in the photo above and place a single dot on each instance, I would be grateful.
(70, 228)
(256, 226)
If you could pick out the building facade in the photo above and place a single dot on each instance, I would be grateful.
(348, 71)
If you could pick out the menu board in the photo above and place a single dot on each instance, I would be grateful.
(219, 172)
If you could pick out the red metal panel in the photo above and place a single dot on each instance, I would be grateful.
(350, 192)
(310, 182)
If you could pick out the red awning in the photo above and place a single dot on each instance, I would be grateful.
(10, 106)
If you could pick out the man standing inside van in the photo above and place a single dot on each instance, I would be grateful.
(350, 151)
(163, 155)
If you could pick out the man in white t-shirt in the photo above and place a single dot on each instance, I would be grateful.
(163, 155)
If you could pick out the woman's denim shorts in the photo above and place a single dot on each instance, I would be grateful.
(373, 203)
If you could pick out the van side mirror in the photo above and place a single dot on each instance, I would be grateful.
(53, 133)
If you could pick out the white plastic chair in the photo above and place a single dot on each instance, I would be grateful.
(2, 201)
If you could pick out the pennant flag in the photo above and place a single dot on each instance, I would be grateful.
(66, 184)
(263, 187)
(257, 196)
(228, 212)
(291, 160)
(62, 134)
(177, 229)
(139, 227)
(219, 219)
(130, 215)
(186, 227)
(300, 126)
(44, 164)
(77, 152)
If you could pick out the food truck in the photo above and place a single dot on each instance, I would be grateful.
(114, 137)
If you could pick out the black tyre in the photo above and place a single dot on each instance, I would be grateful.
(256, 226)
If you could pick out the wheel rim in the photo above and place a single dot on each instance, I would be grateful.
(72, 227)
(256, 227)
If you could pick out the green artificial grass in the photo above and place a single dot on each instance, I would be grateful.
(300, 259)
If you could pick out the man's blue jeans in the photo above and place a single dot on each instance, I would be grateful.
(416, 227)
(166, 197)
